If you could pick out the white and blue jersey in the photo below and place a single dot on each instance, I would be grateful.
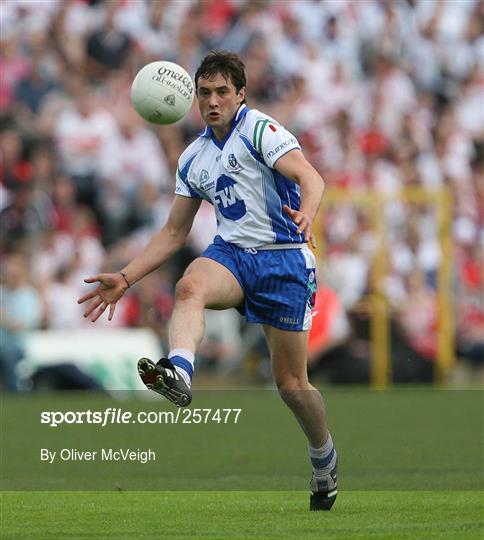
(237, 176)
(256, 241)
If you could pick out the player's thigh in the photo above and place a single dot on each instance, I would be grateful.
(214, 284)
(288, 353)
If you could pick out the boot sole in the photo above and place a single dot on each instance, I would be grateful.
(153, 378)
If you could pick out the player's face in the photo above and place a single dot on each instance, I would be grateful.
(218, 102)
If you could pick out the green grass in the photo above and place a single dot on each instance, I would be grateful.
(240, 515)
(393, 440)
(411, 466)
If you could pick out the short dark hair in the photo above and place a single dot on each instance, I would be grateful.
(227, 64)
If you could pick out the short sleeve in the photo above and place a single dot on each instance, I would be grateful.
(272, 141)
(182, 186)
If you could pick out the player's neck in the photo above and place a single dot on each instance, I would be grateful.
(222, 132)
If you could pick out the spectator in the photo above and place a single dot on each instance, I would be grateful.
(32, 89)
(22, 220)
(15, 168)
(141, 311)
(21, 311)
(417, 317)
(82, 132)
(15, 66)
(60, 299)
(470, 306)
(220, 347)
(107, 47)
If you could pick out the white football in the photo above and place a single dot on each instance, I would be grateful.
(162, 92)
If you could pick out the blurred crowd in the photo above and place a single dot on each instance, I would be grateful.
(383, 95)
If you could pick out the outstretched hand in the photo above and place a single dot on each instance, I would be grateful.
(304, 224)
(110, 289)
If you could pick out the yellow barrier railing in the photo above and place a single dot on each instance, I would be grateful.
(376, 301)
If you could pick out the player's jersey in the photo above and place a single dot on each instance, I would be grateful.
(237, 176)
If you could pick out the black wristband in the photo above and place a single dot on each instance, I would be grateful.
(125, 278)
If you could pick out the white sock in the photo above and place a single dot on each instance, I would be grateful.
(323, 459)
(183, 360)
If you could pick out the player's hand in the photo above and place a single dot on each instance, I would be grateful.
(110, 289)
(304, 224)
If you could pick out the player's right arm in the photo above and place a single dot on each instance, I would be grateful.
(161, 247)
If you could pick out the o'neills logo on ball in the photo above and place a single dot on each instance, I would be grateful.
(178, 81)
(186, 81)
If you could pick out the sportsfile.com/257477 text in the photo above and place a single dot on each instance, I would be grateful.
(114, 415)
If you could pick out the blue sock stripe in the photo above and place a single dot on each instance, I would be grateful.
(321, 463)
(182, 363)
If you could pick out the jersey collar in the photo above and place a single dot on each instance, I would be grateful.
(208, 132)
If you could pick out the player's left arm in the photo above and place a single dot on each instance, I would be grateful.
(295, 166)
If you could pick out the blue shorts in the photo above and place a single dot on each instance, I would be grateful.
(279, 284)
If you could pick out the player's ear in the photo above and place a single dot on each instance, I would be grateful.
(241, 94)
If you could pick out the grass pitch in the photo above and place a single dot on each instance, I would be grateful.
(241, 515)
(411, 467)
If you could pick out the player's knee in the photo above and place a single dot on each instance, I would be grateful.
(290, 381)
(292, 389)
(187, 289)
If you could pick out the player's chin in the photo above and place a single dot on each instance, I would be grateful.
(214, 121)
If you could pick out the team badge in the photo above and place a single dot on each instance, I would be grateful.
(233, 161)
(232, 164)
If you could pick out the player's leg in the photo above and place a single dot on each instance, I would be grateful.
(289, 367)
(205, 284)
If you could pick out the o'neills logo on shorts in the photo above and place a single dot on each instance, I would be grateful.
(288, 320)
